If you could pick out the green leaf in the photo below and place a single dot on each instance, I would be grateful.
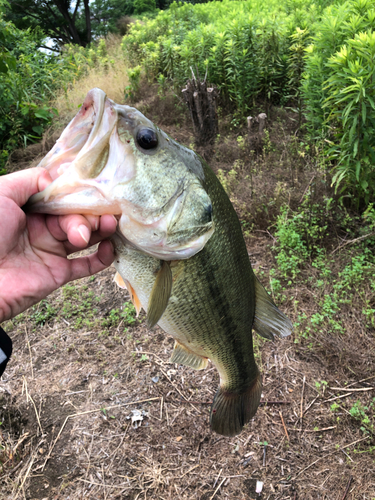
(3, 66)
(38, 129)
(355, 147)
(42, 113)
(358, 170)
(353, 129)
(364, 114)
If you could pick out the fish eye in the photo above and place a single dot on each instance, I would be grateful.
(147, 138)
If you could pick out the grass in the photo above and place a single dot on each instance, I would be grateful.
(109, 73)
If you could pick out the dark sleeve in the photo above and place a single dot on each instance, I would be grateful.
(5, 350)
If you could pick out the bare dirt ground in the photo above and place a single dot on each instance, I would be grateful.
(91, 408)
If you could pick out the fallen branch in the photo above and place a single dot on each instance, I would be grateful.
(338, 397)
(285, 429)
(347, 488)
(353, 241)
(217, 489)
(361, 389)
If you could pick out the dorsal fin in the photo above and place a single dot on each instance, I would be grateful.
(160, 293)
(269, 320)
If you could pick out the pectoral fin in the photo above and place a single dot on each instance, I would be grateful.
(119, 281)
(269, 321)
(160, 293)
(183, 356)
(133, 296)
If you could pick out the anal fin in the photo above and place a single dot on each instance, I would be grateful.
(160, 293)
(269, 320)
(183, 356)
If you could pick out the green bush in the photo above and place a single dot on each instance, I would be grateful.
(351, 115)
(338, 93)
(26, 85)
(339, 23)
(29, 80)
(141, 6)
(242, 46)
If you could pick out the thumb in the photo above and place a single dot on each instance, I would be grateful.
(19, 186)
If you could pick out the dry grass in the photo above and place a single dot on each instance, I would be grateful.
(112, 79)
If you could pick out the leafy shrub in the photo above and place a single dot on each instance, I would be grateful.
(29, 80)
(299, 236)
(364, 415)
(141, 6)
(242, 46)
(351, 108)
(338, 93)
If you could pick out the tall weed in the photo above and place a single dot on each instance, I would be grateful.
(243, 46)
(338, 94)
(351, 115)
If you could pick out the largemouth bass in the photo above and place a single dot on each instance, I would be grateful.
(179, 245)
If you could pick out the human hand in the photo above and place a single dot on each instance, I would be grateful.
(34, 247)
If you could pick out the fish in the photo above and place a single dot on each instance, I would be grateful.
(179, 246)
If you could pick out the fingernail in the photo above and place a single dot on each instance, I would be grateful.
(84, 232)
(96, 224)
(115, 219)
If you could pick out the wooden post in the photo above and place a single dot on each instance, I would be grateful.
(262, 117)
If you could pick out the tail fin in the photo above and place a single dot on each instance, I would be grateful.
(230, 411)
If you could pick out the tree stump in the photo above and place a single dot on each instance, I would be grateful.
(201, 101)
(255, 139)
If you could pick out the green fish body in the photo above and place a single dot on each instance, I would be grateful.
(208, 299)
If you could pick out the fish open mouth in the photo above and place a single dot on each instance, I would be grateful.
(111, 159)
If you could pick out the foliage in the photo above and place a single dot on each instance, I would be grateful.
(243, 46)
(110, 16)
(351, 105)
(364, 415)
(296, 67)
(338, 92)
(74, 22)
(63, 21)
(30, 83)
(26, 87)
(303, 54)
(79, 307)
(141, 6)
(134, 75)
(301, 239)
(43, 312)
(299, 236)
